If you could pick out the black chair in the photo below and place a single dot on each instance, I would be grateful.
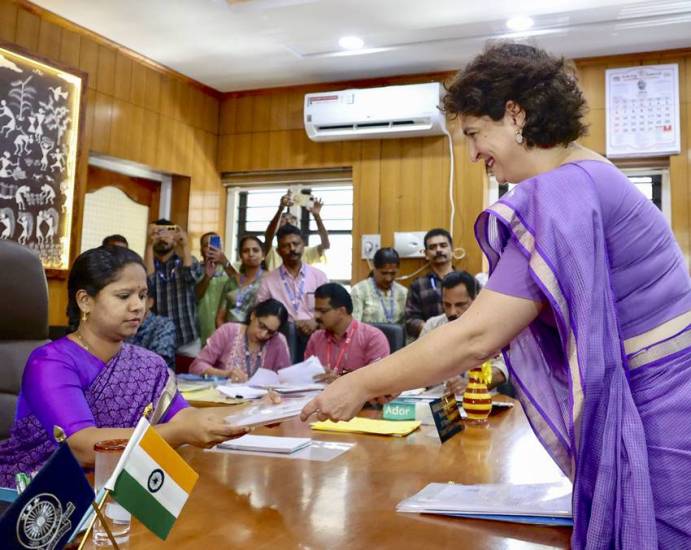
(23, 321)
(395, 334)
(289, 330)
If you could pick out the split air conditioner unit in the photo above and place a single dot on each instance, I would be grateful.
(375, 113)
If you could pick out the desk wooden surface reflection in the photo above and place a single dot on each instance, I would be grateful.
(260, 503)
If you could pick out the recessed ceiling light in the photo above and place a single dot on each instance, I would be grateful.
(520, 23)
(351, 42)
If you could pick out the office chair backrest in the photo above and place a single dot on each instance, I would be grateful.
(395, 334)
(23, 321)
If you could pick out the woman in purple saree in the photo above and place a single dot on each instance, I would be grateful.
(589, 297)
(92, 385)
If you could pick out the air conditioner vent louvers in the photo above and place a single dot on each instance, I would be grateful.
(375, 113)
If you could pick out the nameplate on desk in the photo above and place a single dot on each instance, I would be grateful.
(447, 416)
(399, 410)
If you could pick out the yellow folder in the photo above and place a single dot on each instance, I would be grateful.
(369, 426)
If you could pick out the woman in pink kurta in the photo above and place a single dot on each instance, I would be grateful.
(237, 351)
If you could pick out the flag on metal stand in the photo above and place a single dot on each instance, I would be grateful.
(152, 481)
(46, 513)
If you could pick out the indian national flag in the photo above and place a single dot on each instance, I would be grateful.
(151, 480)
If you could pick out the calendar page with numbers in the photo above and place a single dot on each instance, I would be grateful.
(642, 111)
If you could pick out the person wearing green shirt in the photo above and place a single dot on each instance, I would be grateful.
(218, 271)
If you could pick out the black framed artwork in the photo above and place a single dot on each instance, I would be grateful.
(40, 113)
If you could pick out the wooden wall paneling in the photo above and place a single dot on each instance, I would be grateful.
(228, 111)
(150, 138)
(28, 29)
(165, 143)
(214, 111)
(176, 99)
(119, 132)
(225, 152)
(261, 113)
(331, 153)
(242, 151)
(297, 140)
(105, 79)
(180, 201)
(123, 77)
(279, 148)
(184, 136)
(69, 48)
(138, 89)
(136, 134)
(433, 203)
(49, 38)
(166, 97)
(260, 152)
(152, 95)
(89, 117)
(312, 152)
(408, 187)
(390, 195)
(8, 21)
(100, 140)
(88, 59)
(278, 115)
(296, 102)
(244, 112)
(592, 82)
(57, 307)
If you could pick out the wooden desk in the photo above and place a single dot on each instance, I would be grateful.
(260, 503)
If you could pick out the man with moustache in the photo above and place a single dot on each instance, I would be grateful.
(342, 344)
(293, 283)
(311, 254)
(424, 296)
(459, 289)
(173, 275)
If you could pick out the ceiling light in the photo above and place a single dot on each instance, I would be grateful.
(520, 23)
(351, 42)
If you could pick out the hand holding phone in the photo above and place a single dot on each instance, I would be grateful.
(215, 241)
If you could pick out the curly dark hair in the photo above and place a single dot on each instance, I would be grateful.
(545, 87)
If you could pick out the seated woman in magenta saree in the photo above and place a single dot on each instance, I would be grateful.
(92, 385)
(66, 386)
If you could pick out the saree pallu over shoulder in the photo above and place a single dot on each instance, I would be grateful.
(573, 381)
(117, 398)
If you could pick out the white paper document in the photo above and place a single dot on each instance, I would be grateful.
(267, 413)
(318, 451)
(540, 500)
(267, 443)
(301, 373)
(296, 378)
(241, 391)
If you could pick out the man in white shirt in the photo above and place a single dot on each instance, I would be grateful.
(458, 290)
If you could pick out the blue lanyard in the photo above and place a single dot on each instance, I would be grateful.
(258, 363)
(388, 312)
(294, 296)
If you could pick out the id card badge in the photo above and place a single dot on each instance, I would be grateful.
(447, 416)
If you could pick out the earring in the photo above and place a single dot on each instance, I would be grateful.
(85, 316)
(519, 137)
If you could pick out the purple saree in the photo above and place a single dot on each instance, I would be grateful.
(64, 385)
(605, 382)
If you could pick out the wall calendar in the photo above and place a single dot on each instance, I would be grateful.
(642, 111)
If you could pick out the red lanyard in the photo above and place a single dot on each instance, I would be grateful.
(341, 353)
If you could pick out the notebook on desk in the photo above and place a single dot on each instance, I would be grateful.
(267, 444)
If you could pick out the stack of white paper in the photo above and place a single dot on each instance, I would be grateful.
(267, 413)
(267, 444)
(541, 503)
(241, 391)
(296, 378)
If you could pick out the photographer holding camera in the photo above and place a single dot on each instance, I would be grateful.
(173, 275)
(311, 254)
